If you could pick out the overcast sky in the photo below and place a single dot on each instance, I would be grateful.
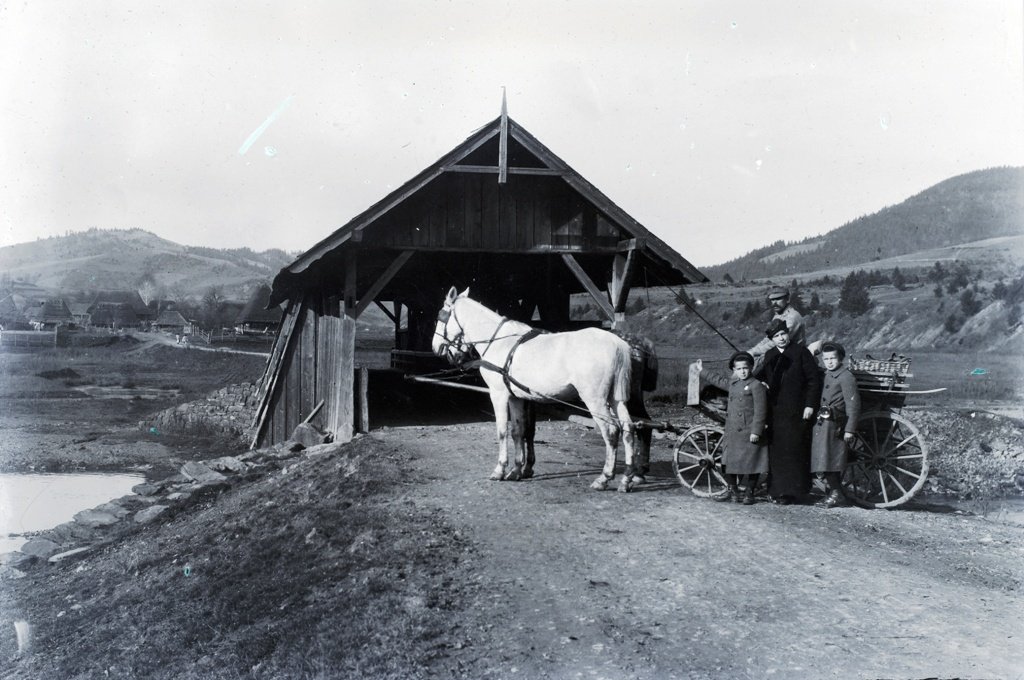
(721, 126)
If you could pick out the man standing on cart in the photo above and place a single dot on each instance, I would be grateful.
(778, 297)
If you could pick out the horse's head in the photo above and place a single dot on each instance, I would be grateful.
(449, 335)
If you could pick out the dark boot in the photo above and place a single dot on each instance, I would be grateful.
(732, 494)
(748, 496)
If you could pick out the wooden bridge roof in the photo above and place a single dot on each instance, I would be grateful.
(533, 158)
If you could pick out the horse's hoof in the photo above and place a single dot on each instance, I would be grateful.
(638, 480)
(599, 484)
(626, 485)
(497, 475)
(513, 476)
(527, 473)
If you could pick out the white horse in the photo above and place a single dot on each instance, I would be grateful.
(591, 364)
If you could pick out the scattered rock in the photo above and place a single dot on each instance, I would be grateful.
(149, 514)
(308, 435)
(202, 474)
(226, 464)
(40, 547)
(69, 532)
(179, 496)
(95, 518)
(114, 508)
(146, 489)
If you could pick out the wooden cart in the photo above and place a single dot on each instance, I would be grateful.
(888, 462)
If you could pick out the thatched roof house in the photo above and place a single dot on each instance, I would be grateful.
(51, 312)
(170, 320)
(130, 298)
(255, 317)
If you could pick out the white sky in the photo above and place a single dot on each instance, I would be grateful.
(721, 126)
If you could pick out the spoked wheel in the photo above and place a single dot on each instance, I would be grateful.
(698, 461)
(888, 463)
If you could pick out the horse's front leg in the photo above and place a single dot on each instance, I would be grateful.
(529, 432)
(628, 480)
(499, 401)
(516, 430)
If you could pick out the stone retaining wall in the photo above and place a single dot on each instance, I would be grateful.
(227, 412)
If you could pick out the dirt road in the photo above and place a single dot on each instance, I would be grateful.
(565, 582)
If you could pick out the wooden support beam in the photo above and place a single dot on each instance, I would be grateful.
(511, 170)
(599, 297)
(623, 267)
(348, 302)
(631, 244)
(383, 280)
(387, 311)
(273, 370)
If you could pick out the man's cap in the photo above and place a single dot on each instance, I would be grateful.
(775, 326)
(778, 292)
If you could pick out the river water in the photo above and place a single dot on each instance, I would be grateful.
(34, 502)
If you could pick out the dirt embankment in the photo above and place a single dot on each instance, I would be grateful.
(394, 557)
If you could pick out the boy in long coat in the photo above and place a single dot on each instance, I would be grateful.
(794, 386)
(836, 424)
(744, 453)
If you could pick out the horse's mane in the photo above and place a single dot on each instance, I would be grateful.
(510, 324)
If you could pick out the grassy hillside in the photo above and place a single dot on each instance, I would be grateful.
(974, 207)
(123, 259)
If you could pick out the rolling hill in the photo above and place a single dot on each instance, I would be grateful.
(968, 208)
(126, 259)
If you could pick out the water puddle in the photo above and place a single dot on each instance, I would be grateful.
(34, 502)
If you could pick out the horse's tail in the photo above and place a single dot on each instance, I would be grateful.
(623, 373)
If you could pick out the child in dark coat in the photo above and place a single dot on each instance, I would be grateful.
(744, 454)
(836, 424)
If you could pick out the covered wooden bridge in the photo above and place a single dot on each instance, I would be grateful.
(501, 214)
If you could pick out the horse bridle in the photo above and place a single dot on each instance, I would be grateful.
(458, 342)
(462, 347)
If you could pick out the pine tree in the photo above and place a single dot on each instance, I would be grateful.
(854, 299)
(899, 282)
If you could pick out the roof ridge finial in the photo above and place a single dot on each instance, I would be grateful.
(503, 141)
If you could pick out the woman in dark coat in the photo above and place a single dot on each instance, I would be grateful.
(794, 387)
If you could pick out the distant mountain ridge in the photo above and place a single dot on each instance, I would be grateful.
(113, 259)
(963, 209)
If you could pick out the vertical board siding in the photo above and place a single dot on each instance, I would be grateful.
(471, 210)
(308, 359)
(490, 226)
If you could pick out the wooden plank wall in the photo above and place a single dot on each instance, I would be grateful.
(319, 365)
(472, 211)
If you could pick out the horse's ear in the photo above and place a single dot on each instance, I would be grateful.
(452, 294)
(464, 293)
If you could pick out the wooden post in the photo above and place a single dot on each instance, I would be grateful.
(364, 399)
(623, 267)
(344, 390)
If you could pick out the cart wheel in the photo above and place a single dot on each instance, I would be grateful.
(698, 461)
(888, 463)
